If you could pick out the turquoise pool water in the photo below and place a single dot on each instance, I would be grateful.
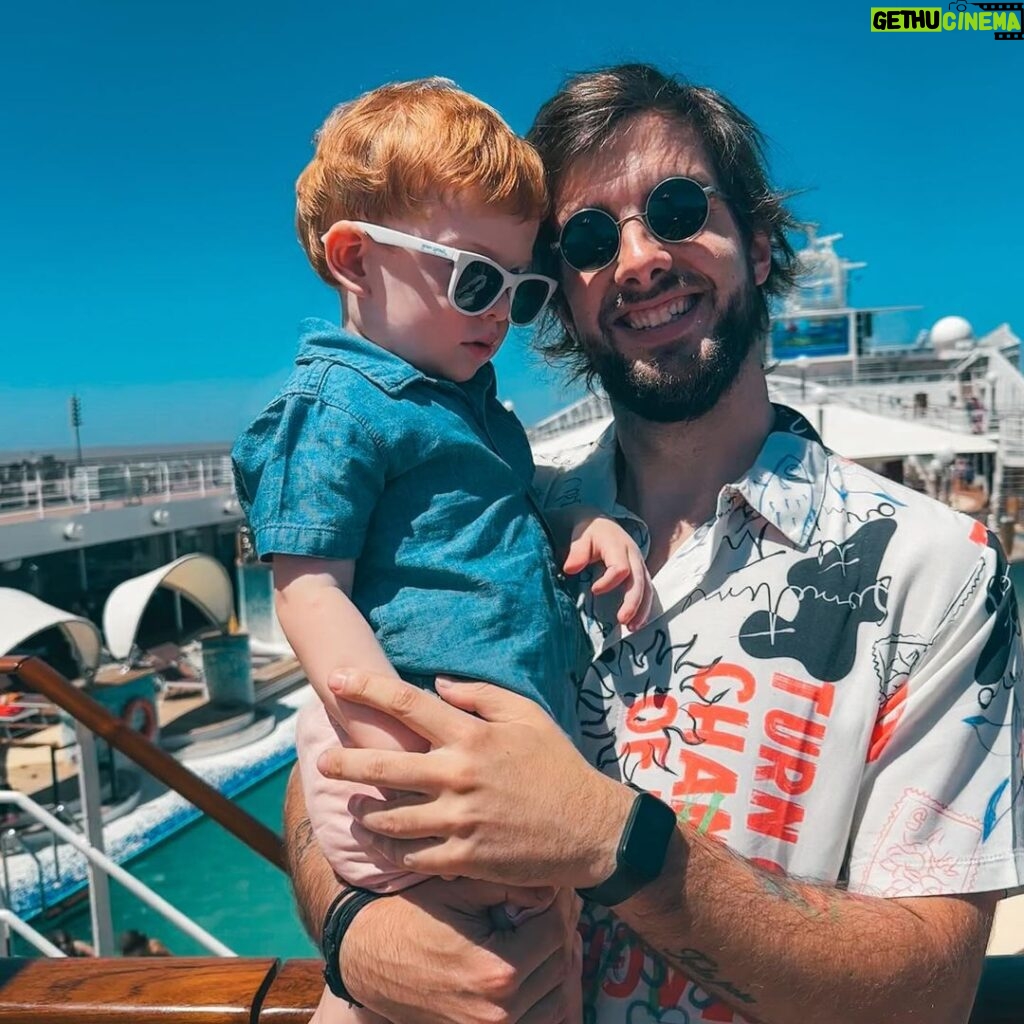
(217, 881)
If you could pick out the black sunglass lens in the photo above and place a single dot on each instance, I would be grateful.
(677, 209)
(527, 301)
(477, 286)
(589, 240)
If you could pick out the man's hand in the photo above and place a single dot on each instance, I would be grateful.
(432, 955)
(503, 797)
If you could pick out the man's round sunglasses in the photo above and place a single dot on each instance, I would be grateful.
(676, 210)
(477, 282)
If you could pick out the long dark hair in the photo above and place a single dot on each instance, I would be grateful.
(591, 107)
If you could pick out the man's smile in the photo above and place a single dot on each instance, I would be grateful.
(663, 311)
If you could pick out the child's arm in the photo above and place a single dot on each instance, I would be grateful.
(588, 537)
(325, 629)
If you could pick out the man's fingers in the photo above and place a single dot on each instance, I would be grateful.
(573, 984)
(472, 893)
(543, 993)
(386, 769)
(551, 1008)
(532, 942)
(487, 701)
(410, 816)
(398, 699)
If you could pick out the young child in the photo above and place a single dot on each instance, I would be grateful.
(387, 482)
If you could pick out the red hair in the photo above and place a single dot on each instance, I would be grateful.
(407, 144)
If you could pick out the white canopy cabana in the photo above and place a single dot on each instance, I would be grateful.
(868, 437)
(199, 578)
(22, 616)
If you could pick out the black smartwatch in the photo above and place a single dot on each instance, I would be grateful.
(641, 853)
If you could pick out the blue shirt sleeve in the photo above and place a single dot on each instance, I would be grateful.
(308, 475)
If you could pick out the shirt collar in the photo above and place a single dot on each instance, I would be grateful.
(320, 339)
(785, 485)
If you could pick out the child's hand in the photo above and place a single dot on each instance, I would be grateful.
(601, 539)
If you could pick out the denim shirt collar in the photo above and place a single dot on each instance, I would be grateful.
(320, 339)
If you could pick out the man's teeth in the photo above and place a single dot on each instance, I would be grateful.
(645, 319)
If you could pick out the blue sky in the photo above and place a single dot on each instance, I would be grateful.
(150, 150)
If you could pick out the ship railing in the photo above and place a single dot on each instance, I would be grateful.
(586, 410)
(53, 488)
(93, 721)
(101, 862)
(10, 922)
(265, 990)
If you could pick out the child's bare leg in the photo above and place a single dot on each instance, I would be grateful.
(332, 1010)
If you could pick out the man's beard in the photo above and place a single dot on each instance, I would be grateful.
(679, 394)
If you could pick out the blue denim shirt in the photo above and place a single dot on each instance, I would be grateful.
(427, 485)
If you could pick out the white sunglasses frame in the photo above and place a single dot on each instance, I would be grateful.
(460, 259)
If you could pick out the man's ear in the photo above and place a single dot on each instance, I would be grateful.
(760, 257)
(345, 253)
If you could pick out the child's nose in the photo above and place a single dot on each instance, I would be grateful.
(500, 310)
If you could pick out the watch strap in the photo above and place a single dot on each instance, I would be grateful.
(651, 822)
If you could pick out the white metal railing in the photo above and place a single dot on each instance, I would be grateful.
(586, 410)
(101, 862)
(10, 920)
(51, 488)
(948, 417)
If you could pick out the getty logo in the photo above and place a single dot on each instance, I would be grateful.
(1003, 19)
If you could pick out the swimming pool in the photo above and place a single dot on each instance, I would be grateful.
(218, 882)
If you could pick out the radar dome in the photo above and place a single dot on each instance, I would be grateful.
(951, 332)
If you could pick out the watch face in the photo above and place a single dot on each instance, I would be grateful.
(647, 837)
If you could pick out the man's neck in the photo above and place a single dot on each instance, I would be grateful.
(671, 473)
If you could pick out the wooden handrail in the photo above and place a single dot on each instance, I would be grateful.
(173, 990)
(200, 990)
(95, 717)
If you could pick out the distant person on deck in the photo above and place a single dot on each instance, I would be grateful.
(69, 945)
(136, 943)
(823, 710)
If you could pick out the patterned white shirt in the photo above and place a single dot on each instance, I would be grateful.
(830, 683)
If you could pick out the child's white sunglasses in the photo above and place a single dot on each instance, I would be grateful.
(477, 282)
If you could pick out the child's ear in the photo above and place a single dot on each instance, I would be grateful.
(345, 252)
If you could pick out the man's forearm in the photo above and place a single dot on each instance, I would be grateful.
(775, 948)
(313, 881)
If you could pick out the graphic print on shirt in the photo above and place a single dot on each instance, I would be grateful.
(755, 752)
(911, 856)
(666, 674)
(827, 597)
(1001, 603)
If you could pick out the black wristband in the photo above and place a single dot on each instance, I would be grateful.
(339, 917)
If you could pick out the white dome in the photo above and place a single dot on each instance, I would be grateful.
(950, 331)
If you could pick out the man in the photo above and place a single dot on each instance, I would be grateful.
(827, 693)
